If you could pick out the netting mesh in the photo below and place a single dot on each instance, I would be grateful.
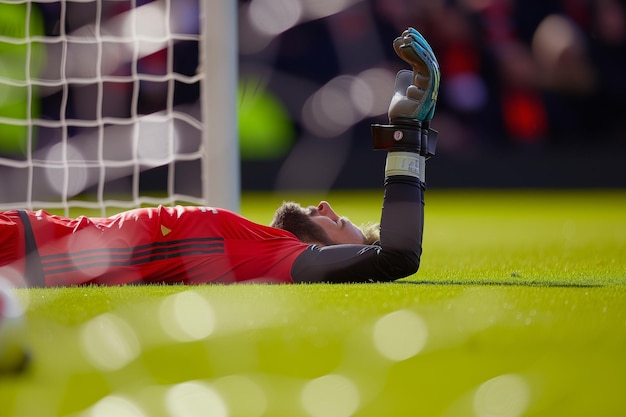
(100, 104)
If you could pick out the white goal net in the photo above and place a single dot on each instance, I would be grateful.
(114, 104)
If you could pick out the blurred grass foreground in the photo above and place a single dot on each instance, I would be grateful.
(518, 310)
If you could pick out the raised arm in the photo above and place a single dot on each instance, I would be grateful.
(408, 141)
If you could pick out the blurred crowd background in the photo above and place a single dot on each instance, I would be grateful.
(533, 92)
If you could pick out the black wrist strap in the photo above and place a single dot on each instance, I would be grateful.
(422, 140)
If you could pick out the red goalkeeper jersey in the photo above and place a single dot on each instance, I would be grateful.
(151, 245)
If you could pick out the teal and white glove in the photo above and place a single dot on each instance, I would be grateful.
(413, 103)
(416, 91)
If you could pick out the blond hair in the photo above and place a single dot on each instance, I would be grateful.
(371, 231)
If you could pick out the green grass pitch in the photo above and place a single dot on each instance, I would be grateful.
(519, 309)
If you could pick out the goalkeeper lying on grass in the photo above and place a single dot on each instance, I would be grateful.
(203, 244)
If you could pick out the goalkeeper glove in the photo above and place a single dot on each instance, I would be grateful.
(413, 104)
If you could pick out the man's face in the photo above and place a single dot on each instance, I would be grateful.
(339, 229)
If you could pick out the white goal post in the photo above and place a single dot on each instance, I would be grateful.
(219, 110)
(105, 118)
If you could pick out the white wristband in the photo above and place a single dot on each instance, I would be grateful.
(405, 163)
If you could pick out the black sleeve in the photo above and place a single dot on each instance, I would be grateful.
(398, 254)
